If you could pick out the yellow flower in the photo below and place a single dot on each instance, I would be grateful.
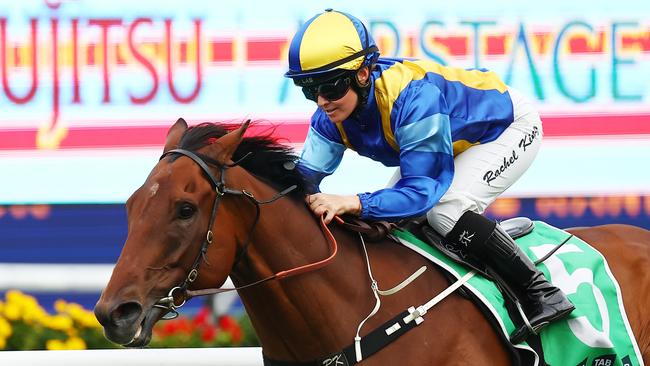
(60, 306)
(12, 311)
(72, 332)
(81, 316)
(75, 343)
(2, 305)
(75, 311)
(14, 296)
(58, 322)
(90, 321)
(5, 328)
(3, 342)
(55, 345)
(35, 315)
(29, 302)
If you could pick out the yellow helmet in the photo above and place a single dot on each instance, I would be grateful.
(330, 41)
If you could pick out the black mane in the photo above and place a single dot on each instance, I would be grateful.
(268, 159)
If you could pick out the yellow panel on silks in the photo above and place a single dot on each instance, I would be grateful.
(397, 77)
(387, 88)
(477, 79)
(462, 145)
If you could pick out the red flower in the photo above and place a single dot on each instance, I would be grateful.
(230, 325)
(202, 317)
(227, 322)
(208, 334)
(184, 326)
(169, 327)
(236, 335)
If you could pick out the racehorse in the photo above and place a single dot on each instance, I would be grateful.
(211, 179)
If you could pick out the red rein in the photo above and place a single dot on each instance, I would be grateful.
(282, 274)
(316, 265)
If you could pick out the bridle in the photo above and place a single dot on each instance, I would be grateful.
(182, 291)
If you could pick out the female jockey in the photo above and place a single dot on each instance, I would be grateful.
(459, 137)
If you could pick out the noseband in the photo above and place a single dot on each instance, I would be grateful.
(219, 185)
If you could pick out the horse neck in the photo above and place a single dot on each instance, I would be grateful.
(293, 316)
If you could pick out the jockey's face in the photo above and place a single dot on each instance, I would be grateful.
(339, 110)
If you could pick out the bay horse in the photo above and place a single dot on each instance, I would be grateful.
(257, 228)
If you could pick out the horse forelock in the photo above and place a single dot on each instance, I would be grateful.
(267, 158)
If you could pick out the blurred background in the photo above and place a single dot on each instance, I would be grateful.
(90, 88)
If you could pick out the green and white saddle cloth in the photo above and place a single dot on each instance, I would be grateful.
(597, 333)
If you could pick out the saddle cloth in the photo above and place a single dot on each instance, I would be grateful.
(596, 333)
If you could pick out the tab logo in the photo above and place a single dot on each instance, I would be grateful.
(606, 360)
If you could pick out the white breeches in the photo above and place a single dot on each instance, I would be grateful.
(483, 172)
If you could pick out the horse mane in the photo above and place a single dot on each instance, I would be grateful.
(268, 159)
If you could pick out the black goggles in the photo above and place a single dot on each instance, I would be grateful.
(332, 90)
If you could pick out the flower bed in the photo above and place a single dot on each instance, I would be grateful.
(25, 325)
(203, 331)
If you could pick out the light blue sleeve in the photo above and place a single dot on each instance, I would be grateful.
(319, 158)
(423, 134)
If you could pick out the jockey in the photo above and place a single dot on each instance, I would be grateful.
(458, 137)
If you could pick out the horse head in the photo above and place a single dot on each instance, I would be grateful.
(171, 232)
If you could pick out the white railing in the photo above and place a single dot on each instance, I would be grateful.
(46, 277)
(80, 278)
(251, 356)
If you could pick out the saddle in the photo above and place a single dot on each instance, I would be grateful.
(371, 231)
(378, 230)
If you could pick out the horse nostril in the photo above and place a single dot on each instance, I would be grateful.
(101, 314)
(126, 313)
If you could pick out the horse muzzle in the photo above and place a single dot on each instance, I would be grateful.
(127, 324)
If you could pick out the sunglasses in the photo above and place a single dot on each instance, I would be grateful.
(331, 91)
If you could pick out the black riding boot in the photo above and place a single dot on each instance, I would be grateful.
(544, 303)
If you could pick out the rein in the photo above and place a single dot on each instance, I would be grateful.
(182, 291)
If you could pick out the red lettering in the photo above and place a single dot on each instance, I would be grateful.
(5, 79)
(170, 76)
(139, 57)
(55, 71)
(76, 95)
(105, 25)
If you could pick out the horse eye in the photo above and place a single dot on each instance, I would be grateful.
(186, 211)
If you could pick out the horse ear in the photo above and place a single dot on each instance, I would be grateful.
(174, 134)
(223, 149)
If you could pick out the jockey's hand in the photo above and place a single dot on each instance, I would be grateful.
(333, 204)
